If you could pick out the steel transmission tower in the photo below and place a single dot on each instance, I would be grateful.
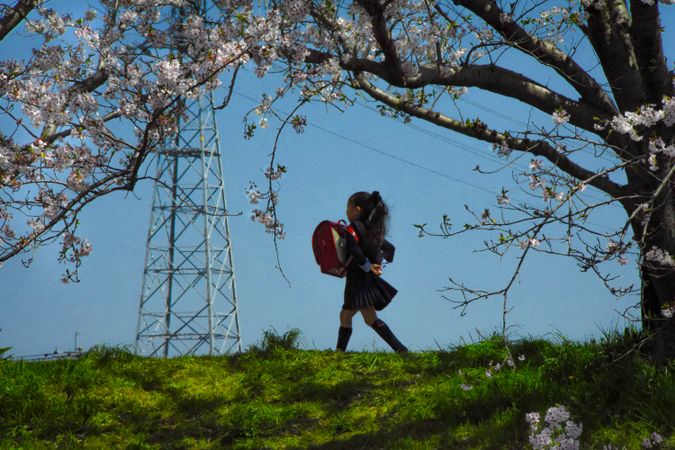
(188, 301)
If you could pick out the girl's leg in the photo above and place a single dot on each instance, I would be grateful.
(381, 328)
(345, 331)
(346, 317)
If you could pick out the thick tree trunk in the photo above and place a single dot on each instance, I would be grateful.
(658, 277)
(660, 327)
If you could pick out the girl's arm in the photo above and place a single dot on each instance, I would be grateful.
(374, 254)
(358, 256)
(388, 250)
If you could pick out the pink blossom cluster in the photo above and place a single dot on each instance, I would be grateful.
(660, 256)
(295, 11)
(529, 242)
(492, 369)
(641, 123)
(267, 217)
(668, 312)
(273, 174)
(549, 25)
(503, 199)
(654, 440)
(73, 249)
(502, 149)
(560, 117)
(538, 177)
(658, 147)
(557, 432)
(617, 249)
(254, 195)
(268, 220)
(51, 203)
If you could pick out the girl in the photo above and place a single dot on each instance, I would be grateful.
(365, 291)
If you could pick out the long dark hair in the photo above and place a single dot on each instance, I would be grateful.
(375, 215)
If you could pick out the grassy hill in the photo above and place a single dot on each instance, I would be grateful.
(275, 396)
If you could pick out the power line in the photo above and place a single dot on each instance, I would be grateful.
(466, 147)
(398, 158)
(382, 152)
(461, 145)
(494, 112)
(517, 122)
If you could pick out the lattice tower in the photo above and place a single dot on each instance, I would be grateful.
(188, 302)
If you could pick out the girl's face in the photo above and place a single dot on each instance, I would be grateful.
(353, 212)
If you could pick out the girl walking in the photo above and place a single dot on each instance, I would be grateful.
(365, 291)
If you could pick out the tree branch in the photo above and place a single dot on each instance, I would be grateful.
(15, 15)
(230, 89)
(375, 10)
(545, 52)
(357, 64)
(480, 131)
(85, 196)
(490, 77)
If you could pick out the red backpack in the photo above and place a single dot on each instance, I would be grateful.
(329, 243)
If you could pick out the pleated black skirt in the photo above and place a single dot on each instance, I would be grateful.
(365, 289)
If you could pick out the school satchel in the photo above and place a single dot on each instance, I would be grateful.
(331, 251)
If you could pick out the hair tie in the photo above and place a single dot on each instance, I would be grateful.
(375, 198)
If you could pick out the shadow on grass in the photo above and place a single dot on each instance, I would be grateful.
(235, 422)
(431, 434)
(286, 395)
(191, 417)
(337, 396)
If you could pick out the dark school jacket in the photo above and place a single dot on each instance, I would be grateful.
(361, 250)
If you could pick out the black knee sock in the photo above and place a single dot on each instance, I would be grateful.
(385, 333)
(344, 334)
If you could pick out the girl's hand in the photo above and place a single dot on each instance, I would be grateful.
(376, 269)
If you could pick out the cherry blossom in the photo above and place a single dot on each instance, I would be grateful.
(556, 432)
(560, 117)
(90, 77)
(660, 257)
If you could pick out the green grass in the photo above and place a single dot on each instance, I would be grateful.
(275, 396)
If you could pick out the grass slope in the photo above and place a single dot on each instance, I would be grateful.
(275, 396)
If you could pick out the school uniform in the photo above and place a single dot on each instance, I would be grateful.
(363, 288)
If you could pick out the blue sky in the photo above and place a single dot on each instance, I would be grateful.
(421, 176)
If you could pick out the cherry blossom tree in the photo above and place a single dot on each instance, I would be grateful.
(604, 125)
(98, 96)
